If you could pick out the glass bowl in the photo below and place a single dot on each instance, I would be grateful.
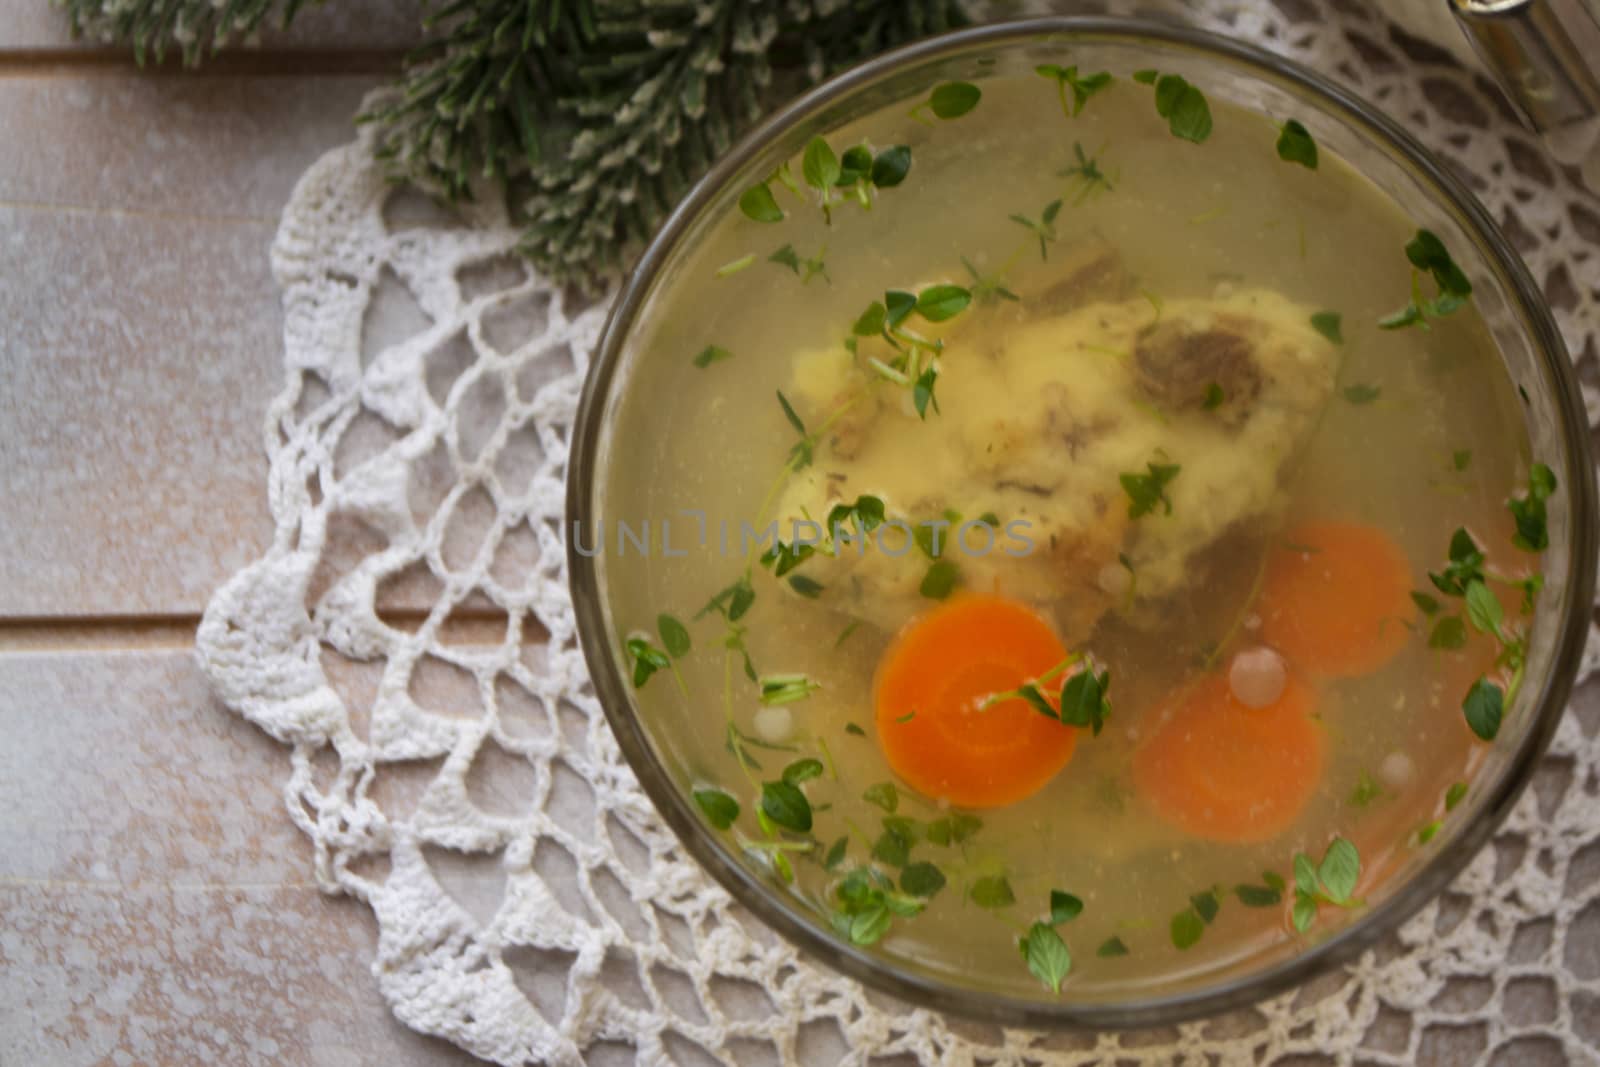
(1377, 148)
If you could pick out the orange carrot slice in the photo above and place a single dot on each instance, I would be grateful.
(929, 689)
(1225, 772)
(1335, 598)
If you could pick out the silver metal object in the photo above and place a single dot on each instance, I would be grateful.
(1546, 54)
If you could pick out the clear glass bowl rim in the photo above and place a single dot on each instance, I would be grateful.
(672, 802)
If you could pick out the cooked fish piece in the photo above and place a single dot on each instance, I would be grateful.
(1036, 428)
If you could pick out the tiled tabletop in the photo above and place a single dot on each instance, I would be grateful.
(155, 905)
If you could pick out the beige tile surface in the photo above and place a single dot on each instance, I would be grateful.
(28, 24)
(174, 143)
(155, 898)
(140, 329)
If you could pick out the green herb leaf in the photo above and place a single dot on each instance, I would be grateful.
(786, 806)
(809, 588)
(1428, 831)
(1339, 871)
(1064, 907)
(1258, 896)
(922, 879)
(758, 203)
(1068, 78)
(783, 557)
(802, 770)
(711, 354)
(1183, 106)
(884, 795)
(941, 580)
(1305, 912)
(787, 257)
(819, 165)
(786, 688)
(1145, 491)
(1145, 77)
(1465, 566)
(1409, 315)
(891, 166)
(1483, 608)
(1361, 394)
(855, 165)
(992, 891)
(899, 305)
(1427, 252)
(1046, 955)
(893, 847)
(1187, 928)
(1206, 905)
(954, 829)
(1214, 397)
(788, 413)
(1484, 707)
(1329, 324)
(1296, 146)
(954, 99)
(853, 728)
(1083, 700)
(938, 303)
(719, 808)
(869, 926)
(1112, 947)
(1455, 795)
(1031, 695)
(1273, 880)
(647, 659)
(1305, 875)
(1461, 459)
(674, 635)
(1366, 790)
(836, 852)
(1425, 603)
(922, 392)
(870, 323)
(1529, 510)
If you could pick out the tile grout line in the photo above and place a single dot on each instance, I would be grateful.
(155, 632)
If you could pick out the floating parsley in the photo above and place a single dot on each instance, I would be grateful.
(1087, 171)
(786, 688)
(1046, 955)
(941, 580)
(1213, 398)
(758, 203)
(1360, 393)
(1064, 907)
(735, 266)
(647, 659)
(805, 268)
(1181, 104)
(1330, 325)
(1296, 146)
(1365, 791)
(922, 879)
(1082, 86)
(992, 891)
(1333, 881)
(951, 100)
(1044, 228)
(1428, 254)
(884, 795)
(1111, 948)
(1146, 491)
(786, 805)
(719, 808)
(1529, 510)
(711, 354)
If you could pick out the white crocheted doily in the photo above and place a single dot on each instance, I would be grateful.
(453, 770)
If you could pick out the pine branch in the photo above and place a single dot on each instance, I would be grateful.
(193, 26)
(594, 116)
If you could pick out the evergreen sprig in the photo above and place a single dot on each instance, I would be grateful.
(592, 116)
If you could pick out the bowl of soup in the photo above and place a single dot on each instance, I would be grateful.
(1081, 522)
